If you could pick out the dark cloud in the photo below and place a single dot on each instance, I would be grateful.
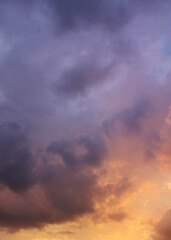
(70, 12)
(75, 12)
(92, 151)
(32, 218)
(65, 195)
(163, 228)
(80, 78)
(71, 192)
(111, 14)
(67, 190)
(46, 179)
(72, 187)
(16, 159)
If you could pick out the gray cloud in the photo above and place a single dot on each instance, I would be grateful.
(111, 14)
(80, 78)
(72, 13)
(16, 159)
(93, 152)
(39, 65)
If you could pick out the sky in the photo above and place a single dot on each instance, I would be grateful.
(85, 120)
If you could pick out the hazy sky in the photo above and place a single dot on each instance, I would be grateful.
(85, 120)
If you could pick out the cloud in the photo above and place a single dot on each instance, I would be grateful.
(80, 78)
(113, 15)
(55, 192)
(92, 153)
(16, 159)
(71, 14)
(129, 120)
(71, 193)
(67, 232)
(163, 228)
(61, 195)
(123, 186)
(24, 210)
(118, 216)
(51, 160)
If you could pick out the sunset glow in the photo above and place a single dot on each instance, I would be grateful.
(85, 120)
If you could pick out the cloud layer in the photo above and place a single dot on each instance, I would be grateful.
(84, 104)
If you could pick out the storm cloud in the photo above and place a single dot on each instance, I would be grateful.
(17, 161)
(84, 98)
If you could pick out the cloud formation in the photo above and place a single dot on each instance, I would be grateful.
(85, 109)
(17, 161)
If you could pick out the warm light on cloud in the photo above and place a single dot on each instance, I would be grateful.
(85, 126)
